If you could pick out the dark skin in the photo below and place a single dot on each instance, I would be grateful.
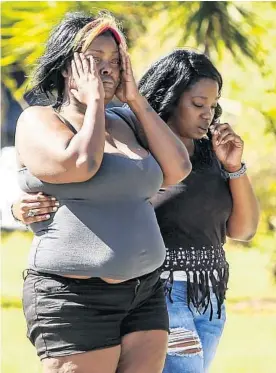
(115, 135)
(91, 81)
(191, 121)
(195, 111)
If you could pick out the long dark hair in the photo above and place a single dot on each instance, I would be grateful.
(168, 78)
(68, 36)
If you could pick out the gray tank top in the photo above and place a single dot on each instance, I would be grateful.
(104, 227)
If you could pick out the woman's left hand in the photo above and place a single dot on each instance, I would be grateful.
(227, 145)
(127, 90)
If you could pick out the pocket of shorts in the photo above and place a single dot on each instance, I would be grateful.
(53, 285)
(49, 285)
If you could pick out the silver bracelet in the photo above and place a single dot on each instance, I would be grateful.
(236, 174)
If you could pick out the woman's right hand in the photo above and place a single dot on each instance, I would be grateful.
(88, 85)
(34, 207)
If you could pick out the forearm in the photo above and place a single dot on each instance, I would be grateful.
(166, 147)
(243, 222)
(87, 146)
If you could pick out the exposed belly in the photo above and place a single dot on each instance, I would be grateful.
(108, 280)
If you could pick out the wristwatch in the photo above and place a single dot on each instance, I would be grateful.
(236, 174)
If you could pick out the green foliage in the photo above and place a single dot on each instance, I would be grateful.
(239, 36)
(214, 25)
(26, 27)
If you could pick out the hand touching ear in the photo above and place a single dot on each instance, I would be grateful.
(227, 145)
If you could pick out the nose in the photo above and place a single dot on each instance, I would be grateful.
(207, 114)
(105, 69)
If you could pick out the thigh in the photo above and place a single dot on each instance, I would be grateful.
(149, 309)
(145, 329)
(104, 361)
(185, 354)
(210, 331)
(143, 351)
(69, 317)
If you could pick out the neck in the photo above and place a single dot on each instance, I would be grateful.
(74, 108)
(71, 106)
(187, 141)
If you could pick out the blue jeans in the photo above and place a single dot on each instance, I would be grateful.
(193, 329)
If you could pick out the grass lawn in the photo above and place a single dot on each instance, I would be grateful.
(247, 346)
(248, 343)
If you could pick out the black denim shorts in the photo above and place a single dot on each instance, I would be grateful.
(67, 316)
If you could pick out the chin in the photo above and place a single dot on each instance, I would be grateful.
(108, 98)
(199, 136)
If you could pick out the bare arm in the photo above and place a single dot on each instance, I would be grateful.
(168, 150)
(50, 150)
(243, 221)
(166, 147)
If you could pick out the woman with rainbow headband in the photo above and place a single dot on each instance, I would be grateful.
(93, 299)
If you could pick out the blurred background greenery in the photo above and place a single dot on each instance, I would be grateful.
(240, 38)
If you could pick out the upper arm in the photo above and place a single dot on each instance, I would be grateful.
(41, 141)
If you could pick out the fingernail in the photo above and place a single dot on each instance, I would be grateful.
(55, 208)
(47, 216)
(217, 142)
(53, 198)
(57, 203)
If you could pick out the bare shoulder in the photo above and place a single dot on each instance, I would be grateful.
(35, 110)
(41, 113)
(42, 124)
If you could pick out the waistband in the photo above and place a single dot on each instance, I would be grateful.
(30, 271)
(207, 257)
(205, 267)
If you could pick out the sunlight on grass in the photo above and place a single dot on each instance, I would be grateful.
(248, 343)
(18, 355)
(247, 346)
(250, 274)
(14, 252)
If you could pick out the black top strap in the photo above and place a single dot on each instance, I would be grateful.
(67, 123)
